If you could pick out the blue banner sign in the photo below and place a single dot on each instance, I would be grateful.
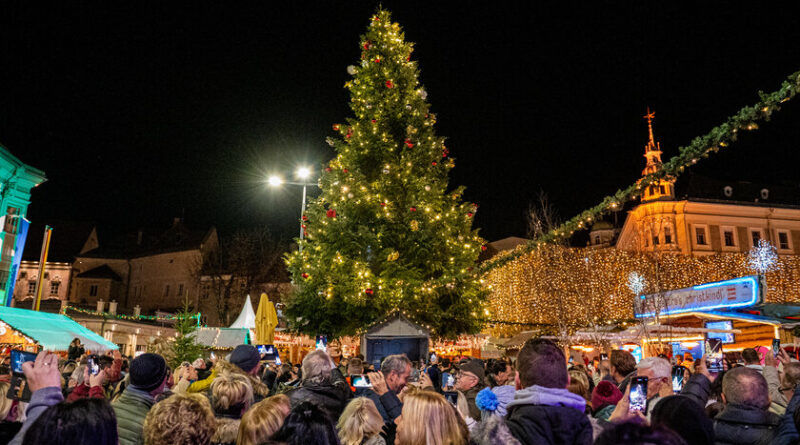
(739, 292)
(19, 246)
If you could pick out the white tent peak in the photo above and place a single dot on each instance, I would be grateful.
(247, 318)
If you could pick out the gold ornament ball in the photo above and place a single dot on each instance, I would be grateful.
(414, 225)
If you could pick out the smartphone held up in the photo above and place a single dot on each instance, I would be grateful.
(360, 381)
(678, 375)
(713, 350)
(637, 399)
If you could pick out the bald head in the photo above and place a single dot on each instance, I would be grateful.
(745, 386)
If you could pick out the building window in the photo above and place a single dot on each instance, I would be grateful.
(667, 235)
(54, 285)
(662, 190)
(31, 287)
(655, 240)
(728, 236)
(755, 235)
(180, 289)
(783, 240)
(700, 236)
(12, 220)
(93, 290)
(166, 290)
(597, 239)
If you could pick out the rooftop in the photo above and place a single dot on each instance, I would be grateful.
(146, 242)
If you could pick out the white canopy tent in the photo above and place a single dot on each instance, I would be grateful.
(247, 318)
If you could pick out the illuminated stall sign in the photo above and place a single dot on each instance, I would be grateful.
(739, 292)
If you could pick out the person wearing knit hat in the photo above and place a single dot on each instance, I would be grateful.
(247, 358)
(148, 376)
(605, 397)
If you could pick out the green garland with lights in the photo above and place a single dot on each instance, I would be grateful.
(701, 147)
(386, 235)
(128, 317)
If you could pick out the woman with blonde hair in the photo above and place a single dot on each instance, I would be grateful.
(182, 419)
(360, 423)
(263, 420)
(429, 419)
(579, 384)
(231, 396)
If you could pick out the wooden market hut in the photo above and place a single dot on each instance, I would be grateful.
(396, 334)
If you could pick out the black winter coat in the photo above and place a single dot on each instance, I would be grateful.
(331, 397)
(549, 425)
(745, 425)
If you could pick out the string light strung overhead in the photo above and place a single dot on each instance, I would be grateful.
(554, 284)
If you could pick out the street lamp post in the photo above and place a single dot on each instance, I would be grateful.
(302, 173)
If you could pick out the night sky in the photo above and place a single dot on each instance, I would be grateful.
(142, 111)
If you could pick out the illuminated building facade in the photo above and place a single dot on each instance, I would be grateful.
(17, 179)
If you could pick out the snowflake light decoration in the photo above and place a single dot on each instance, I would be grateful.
(636, 282)
(763, 257)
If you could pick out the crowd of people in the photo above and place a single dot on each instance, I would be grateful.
(539, 398)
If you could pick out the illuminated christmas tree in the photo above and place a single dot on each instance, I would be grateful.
(386, 234)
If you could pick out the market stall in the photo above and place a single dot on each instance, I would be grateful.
(731, 310)
(31, 330)
(465, 346)
(396, 334)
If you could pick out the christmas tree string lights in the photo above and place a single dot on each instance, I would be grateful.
(385, 235)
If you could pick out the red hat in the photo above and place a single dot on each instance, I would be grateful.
(604, 394)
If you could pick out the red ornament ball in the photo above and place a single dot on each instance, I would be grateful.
(344, 170)
(389, 84)
(305, 218)
(368, 291)
(433, 163)
(367, 44)
(445, 152)
(373, 121)
(377, 60)
(483, 248)
(409, 144)
(383, 204)
(335, 127)
(331, 213)
(470, 215)
(413, 209)
(328, 169)
(305, 275)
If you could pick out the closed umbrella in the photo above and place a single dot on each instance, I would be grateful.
(266, 321)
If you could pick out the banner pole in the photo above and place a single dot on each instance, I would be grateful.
(48, 231)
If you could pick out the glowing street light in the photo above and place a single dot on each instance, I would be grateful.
(302, 173)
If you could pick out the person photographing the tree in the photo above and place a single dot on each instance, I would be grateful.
(387, 384)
